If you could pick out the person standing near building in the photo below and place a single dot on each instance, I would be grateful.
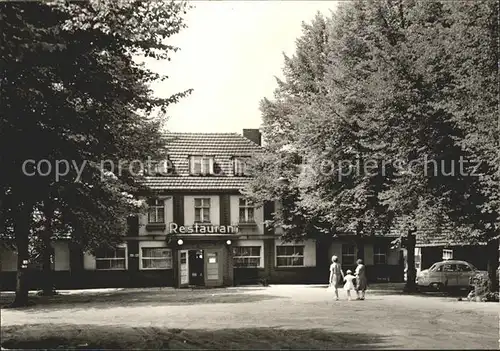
(336, 276)
(361, 281)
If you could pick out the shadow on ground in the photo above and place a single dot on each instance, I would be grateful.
(39, 336)
(397, 289)
(139, 298)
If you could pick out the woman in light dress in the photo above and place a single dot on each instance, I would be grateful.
(361, 281)
(336, 276)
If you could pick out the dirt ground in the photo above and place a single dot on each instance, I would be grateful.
(276, 317)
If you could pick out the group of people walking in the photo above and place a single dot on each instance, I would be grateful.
(356, 282)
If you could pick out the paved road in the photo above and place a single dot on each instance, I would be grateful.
(402, 320)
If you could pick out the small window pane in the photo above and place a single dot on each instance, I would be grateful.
(250, 214)
(117, 264)
(161, 215)
(206, 216)
(242, 215)
(155, 264)
(206, 165)
(120, 252)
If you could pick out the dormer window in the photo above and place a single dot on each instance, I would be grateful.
(202, 165)
(241, 166)
(154, 168)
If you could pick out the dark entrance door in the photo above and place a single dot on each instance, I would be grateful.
(196, 268)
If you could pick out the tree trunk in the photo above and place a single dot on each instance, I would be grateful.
(2, 220)
(47, 251)
(492, 249)
(48, 286)
(411, 273)
(22, 231)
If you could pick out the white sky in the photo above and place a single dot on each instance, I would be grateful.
(230, 54)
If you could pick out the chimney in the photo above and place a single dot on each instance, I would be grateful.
(253, 135)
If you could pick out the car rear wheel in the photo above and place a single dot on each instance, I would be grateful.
(438, 286)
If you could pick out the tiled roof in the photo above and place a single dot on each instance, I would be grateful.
(426, 238)
(436, 237)
(222, 146)
(195, 183)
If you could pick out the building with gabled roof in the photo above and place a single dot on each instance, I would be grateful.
(200, 231)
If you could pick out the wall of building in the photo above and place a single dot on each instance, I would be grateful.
(61, 256)
(61, 267)
(391, 271)
(8, 260)
(8, 257)
(308, 273)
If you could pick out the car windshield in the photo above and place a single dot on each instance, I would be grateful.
(472, 267)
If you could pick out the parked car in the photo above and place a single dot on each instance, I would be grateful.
(449, 274)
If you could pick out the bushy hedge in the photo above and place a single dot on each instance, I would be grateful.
(480, 289)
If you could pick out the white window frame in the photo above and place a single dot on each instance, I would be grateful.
(169, 259)
(240, 166)
(447, 254)
(291, 256)
(158, 205)
(382, 252)
(247, 206)
(124, 247)
(202, 208)
(235, 257)
(201, 159)
(353, 255)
